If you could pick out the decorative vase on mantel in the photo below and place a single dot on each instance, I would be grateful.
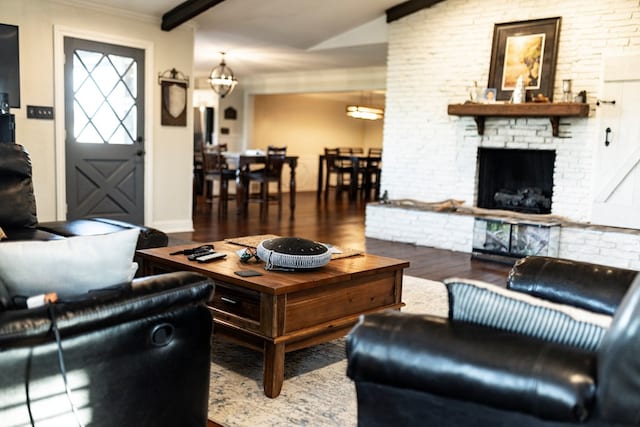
(519, 92)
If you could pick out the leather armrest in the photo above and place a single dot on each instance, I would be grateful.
(149, 237)
(27, 233)
(142, 298)
(473, 363)
(593, 287)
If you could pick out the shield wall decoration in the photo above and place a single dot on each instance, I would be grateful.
(174, 103)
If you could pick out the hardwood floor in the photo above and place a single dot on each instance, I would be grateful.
(341, 223)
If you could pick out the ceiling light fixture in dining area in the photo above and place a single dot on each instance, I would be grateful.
(221, 79)
(367, 113)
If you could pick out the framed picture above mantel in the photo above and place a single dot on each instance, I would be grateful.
(526, 49)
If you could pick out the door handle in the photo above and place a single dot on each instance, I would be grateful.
(607, 131)
(140, 153)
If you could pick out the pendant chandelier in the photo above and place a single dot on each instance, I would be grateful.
(364, 110)
(221, 79)
(366, 113)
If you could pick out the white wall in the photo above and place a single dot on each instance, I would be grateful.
(434, 55)
(169, 149)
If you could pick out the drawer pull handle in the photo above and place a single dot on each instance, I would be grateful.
(228, 300)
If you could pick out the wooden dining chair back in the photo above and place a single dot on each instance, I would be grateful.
(375, 152)
(198, 174)
(215, 168)
(372, 173)
(275, 159)
(350, 150)
(338, 174)
(271, 173)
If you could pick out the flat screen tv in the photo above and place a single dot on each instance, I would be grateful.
(10, 64)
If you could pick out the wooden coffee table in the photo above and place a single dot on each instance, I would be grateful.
(280, 312)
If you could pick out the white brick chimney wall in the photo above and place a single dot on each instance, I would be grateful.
(434, 56)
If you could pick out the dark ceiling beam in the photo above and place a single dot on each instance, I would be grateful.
(408, 7)
(185, 11)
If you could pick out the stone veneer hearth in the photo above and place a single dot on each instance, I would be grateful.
(434, 55)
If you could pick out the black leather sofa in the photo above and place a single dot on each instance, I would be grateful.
(134, 355)
(420, 370)
(18, 218)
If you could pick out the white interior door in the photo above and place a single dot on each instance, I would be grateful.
(617, 163)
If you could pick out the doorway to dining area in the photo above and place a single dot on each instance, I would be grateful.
(308, 123)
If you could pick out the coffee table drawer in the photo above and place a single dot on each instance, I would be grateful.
(311, 307)
(239, 302)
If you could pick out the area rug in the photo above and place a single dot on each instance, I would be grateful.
(316, 390)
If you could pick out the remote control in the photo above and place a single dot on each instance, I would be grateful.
(211, 257)
(198, 254)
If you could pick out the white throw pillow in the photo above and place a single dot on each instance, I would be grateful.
(490, 305)
(69, 266)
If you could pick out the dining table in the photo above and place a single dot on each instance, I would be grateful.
(242, 163)
(358, 162)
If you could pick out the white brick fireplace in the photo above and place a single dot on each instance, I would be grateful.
(434, 56)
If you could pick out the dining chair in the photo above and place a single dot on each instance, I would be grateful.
(375, 152)
(359, 175)
(272, 172)
(198, 179)
(338, 167)
(372, 172)
(215, 168)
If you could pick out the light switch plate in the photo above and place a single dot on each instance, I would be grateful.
(39, 112)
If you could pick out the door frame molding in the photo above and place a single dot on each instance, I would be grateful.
(59, 33)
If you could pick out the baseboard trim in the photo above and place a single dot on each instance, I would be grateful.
(174, 226)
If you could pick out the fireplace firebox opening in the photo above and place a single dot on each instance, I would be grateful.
(516, 180)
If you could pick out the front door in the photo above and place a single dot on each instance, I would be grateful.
(104, 111)
(617, 163)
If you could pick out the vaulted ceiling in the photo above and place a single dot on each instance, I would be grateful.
(267, 36)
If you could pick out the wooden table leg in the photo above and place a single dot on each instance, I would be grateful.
(292, 187)
(355, 172)
(273, 375)
(321, 161)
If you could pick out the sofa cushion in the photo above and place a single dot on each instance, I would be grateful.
(68, 267)
(497, 307)
(149, 237)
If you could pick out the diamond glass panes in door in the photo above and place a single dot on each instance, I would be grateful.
(104, 98)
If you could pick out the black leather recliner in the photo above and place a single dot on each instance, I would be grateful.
(135, 355)
(18, 217)
(427, 371)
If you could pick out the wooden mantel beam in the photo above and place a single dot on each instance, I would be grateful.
(408, 7)
(185, 11)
